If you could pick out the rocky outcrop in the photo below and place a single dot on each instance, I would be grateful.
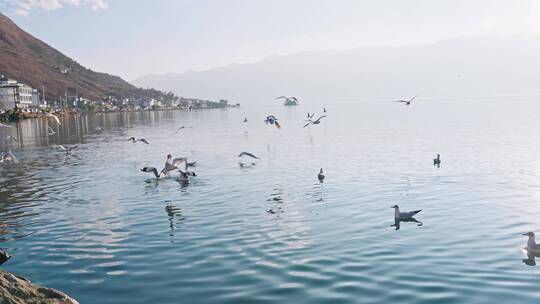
(18, 290)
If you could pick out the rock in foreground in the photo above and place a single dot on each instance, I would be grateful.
(16, 290)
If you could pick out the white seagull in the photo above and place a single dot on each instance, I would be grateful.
(49, 115)
(314, 122)
(50, 131)
(246, 154)
(68, 149)
(532, 247)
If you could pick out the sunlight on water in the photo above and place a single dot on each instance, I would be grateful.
(91, 224)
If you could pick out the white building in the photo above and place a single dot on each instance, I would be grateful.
(14, 94)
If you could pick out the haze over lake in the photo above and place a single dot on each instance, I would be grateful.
(91, 224)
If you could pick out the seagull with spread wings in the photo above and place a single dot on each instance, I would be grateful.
(314, 122)
(133, 140)
(407, 102)
(68, 150)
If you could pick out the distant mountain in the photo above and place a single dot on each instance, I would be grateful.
(470, 66)
(29, 60)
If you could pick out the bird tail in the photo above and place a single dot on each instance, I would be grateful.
(416, 211)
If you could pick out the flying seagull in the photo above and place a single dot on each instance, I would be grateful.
(170, 165)
(247, 154)
(407, 102)
(4, 126)
(272, 120)
(50, 131)
(49, 115)
(314, 122)
(320, 176)
(8, 157)
(532, 247)
(68, 149)
(133, 140)
(11, 138)
(178, 130)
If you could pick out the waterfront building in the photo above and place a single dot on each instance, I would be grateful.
(14, 94)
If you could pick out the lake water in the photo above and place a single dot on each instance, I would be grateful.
(91, 224)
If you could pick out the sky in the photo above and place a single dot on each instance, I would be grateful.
(138, 37)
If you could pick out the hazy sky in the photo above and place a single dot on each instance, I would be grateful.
(136, 37)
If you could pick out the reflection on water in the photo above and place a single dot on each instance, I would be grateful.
(92, 224)
(398, 221)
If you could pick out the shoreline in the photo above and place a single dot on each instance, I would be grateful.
(15, 289)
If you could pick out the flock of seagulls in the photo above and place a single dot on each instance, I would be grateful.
(182, 165)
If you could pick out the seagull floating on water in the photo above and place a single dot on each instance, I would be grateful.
(133, 140)
(314, 122)
(532, 247)
(320, 176)
(437, 161)
(404, 215)
(407, 102)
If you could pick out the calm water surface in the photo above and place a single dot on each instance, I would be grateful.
(93, 225)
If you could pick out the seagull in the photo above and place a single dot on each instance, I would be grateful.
(184, 176)
(4, 256)
(170, 165)
(320, 176)
(288, 98)
(67, 150)
(4, 126)
(404, 215)
(98, 128)
(532, 247)
(49, 115)
(407, 102)
(437, 161)
(133, 140)
(247, 154)
(178, 130)
(51, 131)
(314, 122)
(271, 119)
(12, 138)
(8, 157)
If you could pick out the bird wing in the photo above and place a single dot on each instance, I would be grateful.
(280, 97)
(278, 125)
(294, 98)
(143, 140)
(307, 124)
(131, 138)
(179, 130)
(55, 118)
(400, 101)
(151, 170)
(318, 119)
(415, 97)
(62, 147)
(247, 154)
(73, 148)
(4, 126)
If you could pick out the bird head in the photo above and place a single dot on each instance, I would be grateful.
(169, 156)
(395, 206)
(529, 234)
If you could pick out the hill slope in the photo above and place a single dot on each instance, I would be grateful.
(30, 60)
(471, 66)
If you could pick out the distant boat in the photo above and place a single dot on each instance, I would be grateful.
(289, 101)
